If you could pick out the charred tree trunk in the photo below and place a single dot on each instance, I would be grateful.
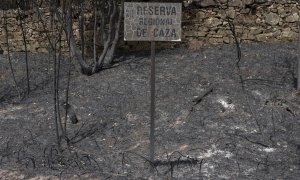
(8, 52)
(108, 37)
(21, 17)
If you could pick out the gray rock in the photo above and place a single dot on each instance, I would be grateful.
(235, 3)
(261, 1)
(272, 19)
(292, 18)
(248, 2)
(213, 22)
(207, 3)
(288, 34)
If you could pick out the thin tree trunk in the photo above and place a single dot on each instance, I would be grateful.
(26, 52)
(55, 78)
(95, 33)
(85, 68)
(8, 53)
(298, 79)
(117, 35)
(67, 96)
(101, 59)
(102, 25)
(57, 83)
(81, 25)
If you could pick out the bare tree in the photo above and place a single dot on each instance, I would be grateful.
(106, 30)
(111, 12)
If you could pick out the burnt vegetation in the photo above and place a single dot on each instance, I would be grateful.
(228, 111)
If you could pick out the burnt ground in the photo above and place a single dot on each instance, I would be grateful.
(232, 133)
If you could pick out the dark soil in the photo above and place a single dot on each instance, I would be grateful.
(247, 130)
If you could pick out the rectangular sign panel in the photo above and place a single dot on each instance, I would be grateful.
(152, 21)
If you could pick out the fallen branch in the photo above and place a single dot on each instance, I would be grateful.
(254, 142)
(200, 98)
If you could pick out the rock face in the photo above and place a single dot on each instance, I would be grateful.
(204, 22)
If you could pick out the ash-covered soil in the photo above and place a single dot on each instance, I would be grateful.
(247, 130)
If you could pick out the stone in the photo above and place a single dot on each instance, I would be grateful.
(215, 40)
(281, 10)
(246, 20)
(195, 33)
(215, 36)
(280, 1)
(261, 1)
(292, 18)
(272, 19)
(288, 34)
(235, 3)
(227, 40)
(201, 15)
(222, 1)
(212, 22)
(255, 30)
(206, 3)
(230, 12)
(273, 10)
(249, 2)
(201, 33)
(248, 36)
(263, 37)
(223, 33)
(245, 11)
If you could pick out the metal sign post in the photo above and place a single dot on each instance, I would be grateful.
(152, 22)
(152, 106)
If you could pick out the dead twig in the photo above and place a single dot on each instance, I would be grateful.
(80, 136)
(239, 57)
(252, 141)
(199, 99)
